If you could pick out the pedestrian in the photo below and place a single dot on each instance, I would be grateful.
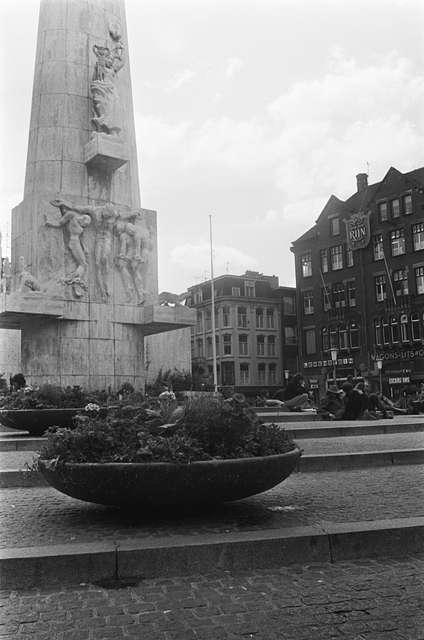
(296, 395)
(332, 406)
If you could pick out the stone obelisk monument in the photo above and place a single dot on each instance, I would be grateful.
(84, 253)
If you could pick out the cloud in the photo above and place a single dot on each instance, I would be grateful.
(234, 66)
(193, 260)
(181, 78)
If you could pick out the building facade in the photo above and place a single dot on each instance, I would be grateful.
(255, 332)
(360, 285)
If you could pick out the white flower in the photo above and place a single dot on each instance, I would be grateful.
(167, 395)
(28, 389)
(91, 406)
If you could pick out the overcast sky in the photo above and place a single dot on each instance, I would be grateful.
(254, 111)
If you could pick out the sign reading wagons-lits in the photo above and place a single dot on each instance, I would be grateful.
(358, 230)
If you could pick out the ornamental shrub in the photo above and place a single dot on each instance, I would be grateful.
(203, 429)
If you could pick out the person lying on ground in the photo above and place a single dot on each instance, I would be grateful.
(332, 407)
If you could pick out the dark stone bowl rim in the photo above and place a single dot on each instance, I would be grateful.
(297, 451)
(46, 409)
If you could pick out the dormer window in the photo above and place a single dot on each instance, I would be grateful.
(306, 261)
(335, 226)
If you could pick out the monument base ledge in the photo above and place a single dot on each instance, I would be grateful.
(159, 319)
(18, 308)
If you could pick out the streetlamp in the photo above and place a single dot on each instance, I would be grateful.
(334, 353)
(379, 362)
(286, 375)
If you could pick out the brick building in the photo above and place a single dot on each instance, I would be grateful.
(255, 331)
(360, 284)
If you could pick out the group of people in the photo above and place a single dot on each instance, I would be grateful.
(352, 401)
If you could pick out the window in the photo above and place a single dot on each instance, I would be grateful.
(242, 317)
(351, 293)
(415, 327)
(290, 335)
(271, 345)
(336, 254)
(200, 352)
(335, 226)
(334, 337)
(272, 373)
(209, 348)
(235, 291)
(227, 344)
(397, 241)
(199, 321)
(407, 204)
(306, 262)
(289, 305)
(259, 318)
(394, 326)
(344, 338)
(395, 205)
(243, 345)
(310, 342)
(325, 338)
(261, 373)
(380, 288)
(324, 260)
(326, 298)
(354, 335)
(244, 373)
(198, 296)
(386, 332)
(339, 295)
(260, 345)
(418, 236)
(349, 257)
(400, 282)
(208, 318)
(404, 328)
(419, 280)
(378, 336)
(226, 317)
(270, 318)
(249, 289)
(382, 211)
(378, 246)
(308, 302)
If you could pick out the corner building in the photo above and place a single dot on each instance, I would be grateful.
(360, 284)
(255, 332)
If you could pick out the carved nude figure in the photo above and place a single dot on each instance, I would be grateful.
(106, 101)
(75, 224)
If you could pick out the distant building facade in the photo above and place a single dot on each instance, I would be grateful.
(256, 337)
(360, 284)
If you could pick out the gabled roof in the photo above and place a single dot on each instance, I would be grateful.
(360, 200)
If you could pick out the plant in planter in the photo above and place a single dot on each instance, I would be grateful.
(209, 450)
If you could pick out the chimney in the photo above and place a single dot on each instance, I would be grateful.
(361, 182)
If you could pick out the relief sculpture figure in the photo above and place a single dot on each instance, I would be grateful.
(25, 279)
(106, 101)
(125, 231)
(74, 224)
(134, 248)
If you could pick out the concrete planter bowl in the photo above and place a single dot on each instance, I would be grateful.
(160, 484)
(37, 421)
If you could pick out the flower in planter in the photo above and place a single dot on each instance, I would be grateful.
(92, 407)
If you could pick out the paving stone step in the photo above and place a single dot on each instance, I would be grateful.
(181, 555)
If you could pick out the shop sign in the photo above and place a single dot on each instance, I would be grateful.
(327, 363)
(400, 380)
(358, 230)
(399, 355)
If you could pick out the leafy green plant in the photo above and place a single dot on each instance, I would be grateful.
(205, 428)
(49, 396)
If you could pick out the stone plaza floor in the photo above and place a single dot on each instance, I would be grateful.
(361, 600)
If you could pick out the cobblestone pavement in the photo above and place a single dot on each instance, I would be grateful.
(384, 442)
(303, 499)
(367, 600)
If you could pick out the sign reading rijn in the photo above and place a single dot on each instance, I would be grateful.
(358, 230)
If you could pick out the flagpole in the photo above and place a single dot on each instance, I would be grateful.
(215, 374)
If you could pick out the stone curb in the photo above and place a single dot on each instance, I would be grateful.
(22, 568)
(309, 463)
(331, 431)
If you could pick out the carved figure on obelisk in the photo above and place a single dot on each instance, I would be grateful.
(25, 278)
(6, 275)
(74, 223)
(134, 248)
(104, 218)
(106, 101)
(125, 231)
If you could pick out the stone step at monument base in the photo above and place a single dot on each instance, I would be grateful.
(308, 518)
